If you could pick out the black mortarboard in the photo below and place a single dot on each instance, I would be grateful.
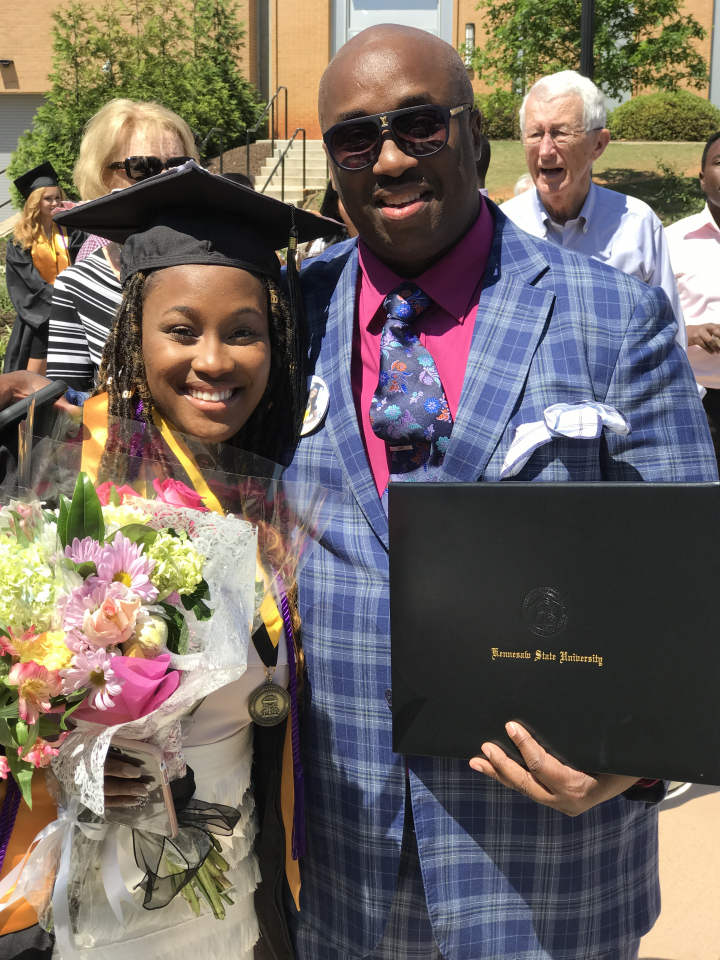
(192, 216)
(42, 176)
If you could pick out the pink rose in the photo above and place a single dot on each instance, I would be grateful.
(103, 492)
(113, 622)
(146, 685)
(178, 495)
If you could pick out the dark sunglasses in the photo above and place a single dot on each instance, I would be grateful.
(139, 168)
(417, 131)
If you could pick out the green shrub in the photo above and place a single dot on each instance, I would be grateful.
(500, 114)
(679, 115)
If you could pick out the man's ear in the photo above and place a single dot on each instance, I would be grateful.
(702, 181)
(476, 132)
(603, 139)
(330, 168)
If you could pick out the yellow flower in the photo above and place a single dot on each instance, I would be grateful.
(48, 649)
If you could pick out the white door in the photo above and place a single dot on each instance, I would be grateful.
(352, 16)
(16, 116)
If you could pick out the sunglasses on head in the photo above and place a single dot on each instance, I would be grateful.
(417, 131)
(139, 168)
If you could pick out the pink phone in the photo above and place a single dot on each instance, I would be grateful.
(155, 812)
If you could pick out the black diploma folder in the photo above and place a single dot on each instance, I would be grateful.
(588, 612)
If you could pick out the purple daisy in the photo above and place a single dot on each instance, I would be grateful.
(92, 670)
(82, 551)
(122, 562)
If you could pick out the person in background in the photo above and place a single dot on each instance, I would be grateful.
(483, 163)
(694, 245)
(331, 207)
(124, 142)
(522, 184)
(37, 253)
(240, 178)
(562, 124)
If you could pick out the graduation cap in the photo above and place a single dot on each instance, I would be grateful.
(42, 176)
(192, 216)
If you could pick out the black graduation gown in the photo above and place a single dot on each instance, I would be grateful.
(31, 297)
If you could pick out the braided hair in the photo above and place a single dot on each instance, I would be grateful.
(271, 430)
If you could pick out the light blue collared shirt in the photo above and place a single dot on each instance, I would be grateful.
(613, 228)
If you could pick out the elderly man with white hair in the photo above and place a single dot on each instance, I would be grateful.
(562, 122)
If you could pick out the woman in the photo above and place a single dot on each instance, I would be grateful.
(124, 143)
(206, 343)
(37, 253)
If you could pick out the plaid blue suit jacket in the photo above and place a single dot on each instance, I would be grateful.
(504, 877)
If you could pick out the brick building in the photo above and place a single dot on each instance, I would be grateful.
(287, 43)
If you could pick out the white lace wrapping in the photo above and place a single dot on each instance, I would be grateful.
(218, 648)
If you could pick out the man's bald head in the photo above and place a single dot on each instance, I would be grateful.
(387, 43)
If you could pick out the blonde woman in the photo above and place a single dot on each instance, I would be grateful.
(124, 143)
(37, 253)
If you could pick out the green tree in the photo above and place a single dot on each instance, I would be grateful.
(185, 54)
(648, 43)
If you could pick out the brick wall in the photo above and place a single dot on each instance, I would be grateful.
(300, 51)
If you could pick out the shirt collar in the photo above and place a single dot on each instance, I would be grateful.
(585, 214)
(450, 282)
(709, 220)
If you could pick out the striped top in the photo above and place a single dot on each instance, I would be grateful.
(85, 299)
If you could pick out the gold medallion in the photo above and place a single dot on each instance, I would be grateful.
(269, 704)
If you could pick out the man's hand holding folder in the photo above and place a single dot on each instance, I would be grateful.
(546, 780)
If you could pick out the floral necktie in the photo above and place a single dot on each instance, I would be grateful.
(409, 409)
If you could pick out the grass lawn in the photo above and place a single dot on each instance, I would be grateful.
(630, 168)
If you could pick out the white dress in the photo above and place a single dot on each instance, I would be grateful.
(218, 747)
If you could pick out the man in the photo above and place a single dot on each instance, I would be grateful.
(562, 123)
(415, 858)
(483, 163)
(694, 245)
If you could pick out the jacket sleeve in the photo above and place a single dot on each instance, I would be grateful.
(76, 239)
(29, 293)
(654, 387)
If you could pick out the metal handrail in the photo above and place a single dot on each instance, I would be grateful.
(217, 130)
(252, 130)
(282, 161)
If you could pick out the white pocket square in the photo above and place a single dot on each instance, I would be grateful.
(578, 421)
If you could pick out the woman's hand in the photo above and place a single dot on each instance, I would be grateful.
(120, 790)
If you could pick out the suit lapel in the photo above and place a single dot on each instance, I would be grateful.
(511, 317)
(342, 423)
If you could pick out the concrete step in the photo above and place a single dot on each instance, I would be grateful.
(295, 197)
(295, 182)
(296, 167)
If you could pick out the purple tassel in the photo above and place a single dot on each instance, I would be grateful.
(298, 835)
(8, 815)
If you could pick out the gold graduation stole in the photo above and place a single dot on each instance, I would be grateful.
(51, 255)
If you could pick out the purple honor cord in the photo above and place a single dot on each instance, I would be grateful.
(8, 814)
(298, 834)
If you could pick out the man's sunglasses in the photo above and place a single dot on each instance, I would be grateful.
(139, 168)
(417, 131)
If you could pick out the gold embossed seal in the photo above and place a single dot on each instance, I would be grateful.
(269, 704)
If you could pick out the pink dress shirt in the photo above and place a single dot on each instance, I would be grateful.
(454, 285)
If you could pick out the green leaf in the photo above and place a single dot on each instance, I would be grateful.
(22, 771)
(114, 497)
(85, 518)
(10, 711)
(19, 535)
(70, 711)
(49, 516)
(178, 633)
(63, 520)
(194, 601)
(86, 569)
(138, 533)
(33, 731)
(6, 737)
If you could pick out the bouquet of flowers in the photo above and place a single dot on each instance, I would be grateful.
(147, 601)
